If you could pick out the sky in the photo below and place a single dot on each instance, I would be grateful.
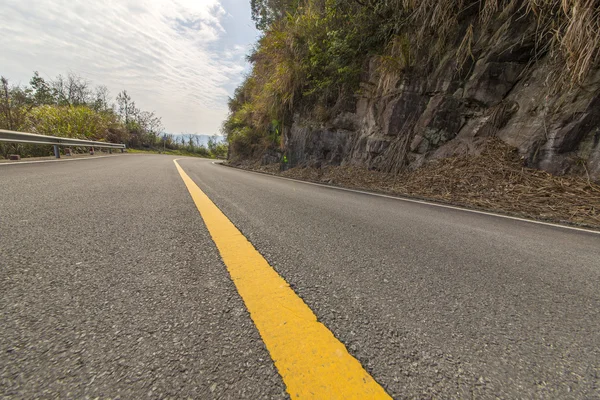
(181, 59)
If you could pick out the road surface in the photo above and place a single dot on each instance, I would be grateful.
(111, 286)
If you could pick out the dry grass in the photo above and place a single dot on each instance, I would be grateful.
(495, 180)
(579, 37)
(569, 30)
(465, 50)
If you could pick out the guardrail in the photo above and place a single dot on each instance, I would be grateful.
(32, 138)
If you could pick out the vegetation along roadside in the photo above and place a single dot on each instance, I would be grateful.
(492, 104)
(70, 106)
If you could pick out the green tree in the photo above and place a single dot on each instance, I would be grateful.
(216, 147)
(15, 105)
(265, 12)
(126, 107)
(42, 91)
(101, 96)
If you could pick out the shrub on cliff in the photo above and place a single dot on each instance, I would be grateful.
(312, 52)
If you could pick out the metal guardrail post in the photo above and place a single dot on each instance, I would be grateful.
(56, 151)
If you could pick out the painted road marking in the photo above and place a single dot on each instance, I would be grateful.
(311, 361)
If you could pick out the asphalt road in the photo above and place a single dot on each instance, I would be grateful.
(110, 286)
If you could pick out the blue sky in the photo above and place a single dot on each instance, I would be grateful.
(178, 58)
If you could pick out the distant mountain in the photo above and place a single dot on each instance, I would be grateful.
(198, 139)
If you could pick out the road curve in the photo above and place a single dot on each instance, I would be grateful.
(112, 286)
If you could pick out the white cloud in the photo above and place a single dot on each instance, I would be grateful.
(169, 55)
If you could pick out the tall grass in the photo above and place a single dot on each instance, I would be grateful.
(567, 30)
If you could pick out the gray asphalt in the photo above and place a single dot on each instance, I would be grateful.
(111, 287)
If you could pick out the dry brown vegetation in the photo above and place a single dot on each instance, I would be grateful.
(494, 180)
(311, 56)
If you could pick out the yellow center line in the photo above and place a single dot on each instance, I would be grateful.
(311, 361)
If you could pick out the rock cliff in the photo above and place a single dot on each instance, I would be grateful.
(504, 89)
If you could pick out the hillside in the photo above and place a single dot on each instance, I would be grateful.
(393, 85)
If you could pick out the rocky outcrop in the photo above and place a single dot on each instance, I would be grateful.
(416, 116)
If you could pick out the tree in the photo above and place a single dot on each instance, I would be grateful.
(53, 108)
(126, 107)
(216, 147)
(15, 106)
(42, 91)
(265, 12)
(6, 106)
(150, 125)
(190, 138)
(72, 90)
(101, 95)
(212, 143)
